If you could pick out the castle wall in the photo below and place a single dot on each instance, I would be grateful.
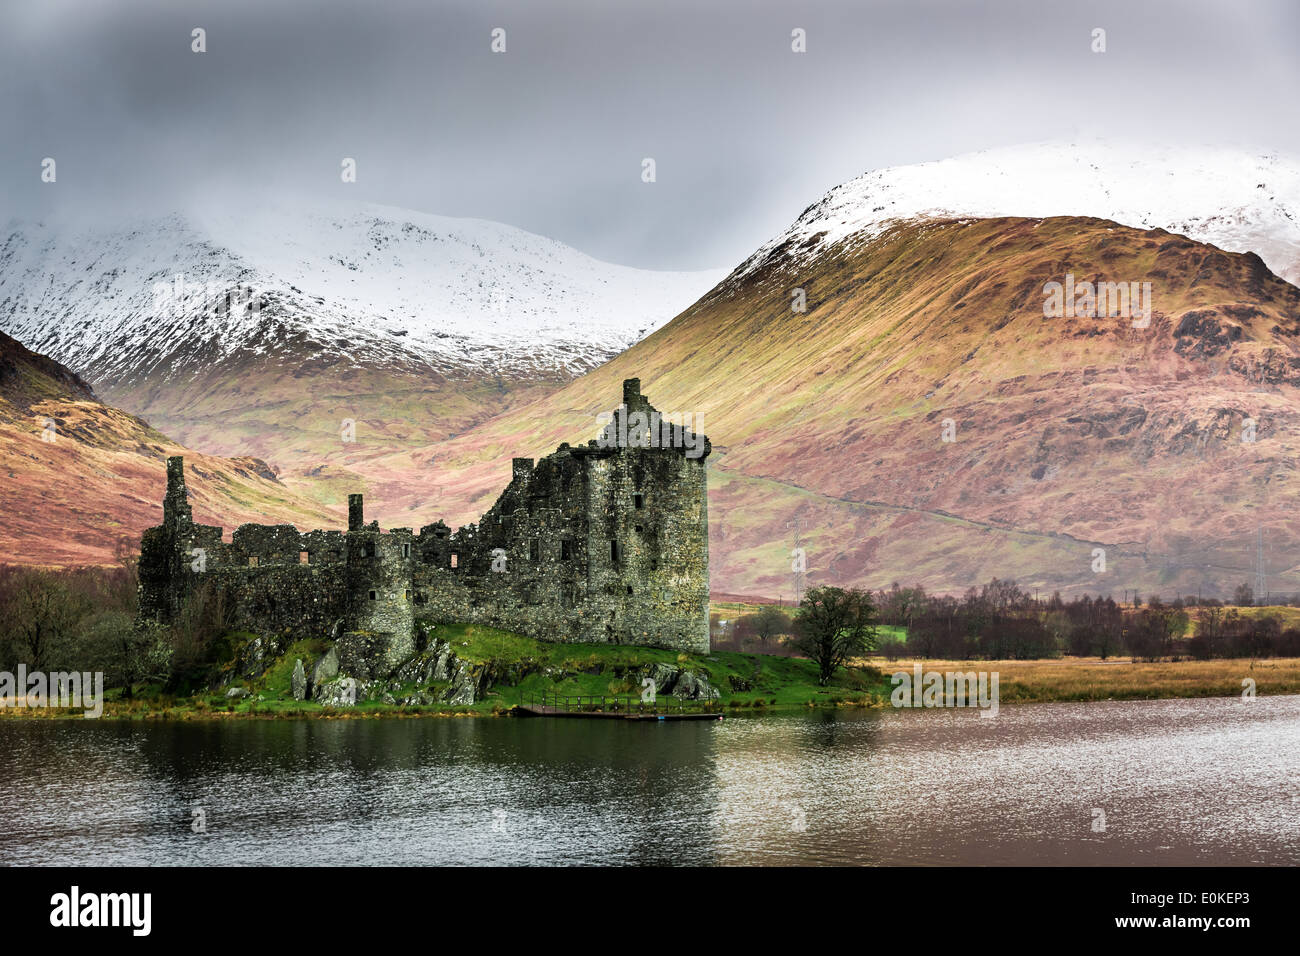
(297, 600)
(593, 545)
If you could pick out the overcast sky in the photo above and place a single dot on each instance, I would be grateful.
(550, 135)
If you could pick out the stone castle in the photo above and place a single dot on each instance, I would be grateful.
(606, 542)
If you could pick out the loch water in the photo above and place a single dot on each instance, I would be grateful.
(1201, 782)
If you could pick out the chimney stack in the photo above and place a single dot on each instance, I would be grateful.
(176, 505)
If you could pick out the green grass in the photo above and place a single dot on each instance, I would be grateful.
(890, 634)
(277, 682)
(744, 680)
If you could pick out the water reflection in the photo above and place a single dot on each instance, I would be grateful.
(1210, 782)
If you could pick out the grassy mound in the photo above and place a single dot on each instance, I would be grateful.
(744, 680)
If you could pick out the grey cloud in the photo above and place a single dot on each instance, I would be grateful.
(550, 135)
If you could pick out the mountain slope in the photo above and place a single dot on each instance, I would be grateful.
(77, 476)
(1071, 433)
(260, 331)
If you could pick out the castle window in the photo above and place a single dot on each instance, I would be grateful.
(566, 550)
(406, 550)
(534, 550)
(639, 528)
(304, 557)
(613, 551)
(374, 595)
(638, 502)
(407, 595)
(455, 559)
(629, 589)
(252, 560)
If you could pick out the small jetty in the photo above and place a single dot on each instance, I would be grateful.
(592, 707)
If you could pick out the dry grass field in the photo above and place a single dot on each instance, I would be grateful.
(1090, 678)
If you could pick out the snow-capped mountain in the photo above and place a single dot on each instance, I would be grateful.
(161, 299)
(1236, 200)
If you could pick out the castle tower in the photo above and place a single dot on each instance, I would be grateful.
(380, 580)
(165, 562)
(648, 527)
(632, 395)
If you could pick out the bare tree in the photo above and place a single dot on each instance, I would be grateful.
(40, 612)
(833, 626)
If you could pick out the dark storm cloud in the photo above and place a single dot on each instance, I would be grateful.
(550, 135)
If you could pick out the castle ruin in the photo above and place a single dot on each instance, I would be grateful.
(606, 542)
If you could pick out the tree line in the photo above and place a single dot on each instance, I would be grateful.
(84, 619)
(1001, 620)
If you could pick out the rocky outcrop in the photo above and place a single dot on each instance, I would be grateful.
(681, 683)
(299, 681)
(463, 689)
(326, 669)
(340, 692)
(354, 669)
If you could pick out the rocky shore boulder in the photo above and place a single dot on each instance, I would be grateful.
(326, 669)
(340, 692)
(681, 683)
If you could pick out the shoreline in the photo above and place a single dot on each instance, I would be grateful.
(1053, 680)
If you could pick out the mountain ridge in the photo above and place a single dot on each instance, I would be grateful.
(1255, 204)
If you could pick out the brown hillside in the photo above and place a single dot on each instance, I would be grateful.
(1071, 433)
(101, 480)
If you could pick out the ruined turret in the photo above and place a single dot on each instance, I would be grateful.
(164, 550)
(633, 400)
(176, 504)
(380, 587)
